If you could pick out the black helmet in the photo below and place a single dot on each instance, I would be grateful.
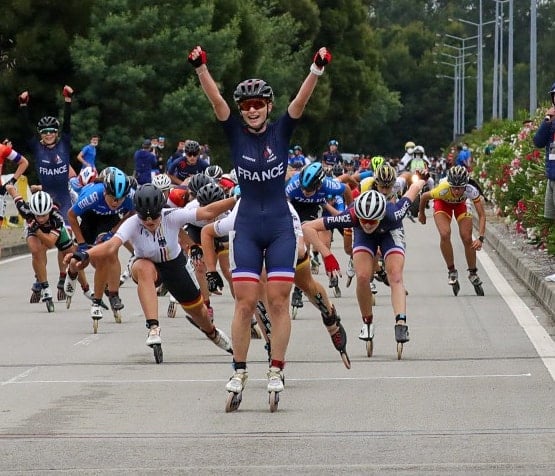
(457, 176)
(197, 182)
(117, 183)
(48, 122)
(210, 193)
(149, 201)
(192, 147)
(253, 89)
(337, 170)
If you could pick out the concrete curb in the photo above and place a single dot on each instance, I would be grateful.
(14, 250)
(523, 268)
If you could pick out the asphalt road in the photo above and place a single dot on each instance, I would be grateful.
(473, 393)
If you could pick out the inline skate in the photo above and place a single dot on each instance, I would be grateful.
(367, 335)
(334, 283)
(117, 306)
(275, 387)
(401, 334)
(154, 341)
(296, 301)
(96, 313)
(315, 264)
(35, 292)
(46, 297)
(476, 281)
(266, 327)
(453, 280)
(235, 388)
(350, 272)
(61, 292)
(172, 307)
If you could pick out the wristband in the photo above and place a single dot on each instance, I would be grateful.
(481, 238)
(12, 181)
(315, 70)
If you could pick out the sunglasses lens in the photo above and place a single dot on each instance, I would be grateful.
(48, 131)
(252, 103)
(368, 222)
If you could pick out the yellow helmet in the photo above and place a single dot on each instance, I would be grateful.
(410, 145)
(385, 175)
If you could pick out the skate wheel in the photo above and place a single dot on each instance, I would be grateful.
(337, 291)
(50, 305)
(95, 326)
(68, 302)
(373, 299)
(117, 317)
(346, 360)
(369, 347)
(399, 350)
(479, 290)
(273, 398)
(456, 288)
(232, 402)
(61, 295)
(172, 310)
(348, 283)
(35, 297)
(294, 311)
(158, 354)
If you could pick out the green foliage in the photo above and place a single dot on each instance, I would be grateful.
(511, 172)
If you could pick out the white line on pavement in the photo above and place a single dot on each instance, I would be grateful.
(540, 339)
(16, 380)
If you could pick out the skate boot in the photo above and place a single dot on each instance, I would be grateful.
(350, 272)
(172, 307)
(222, 341)
(453, 281)
(373, 287)
(275, 387)
(476, 281)
(315, 264)
(154, 341)
(296, 301)
(61, 292)
(381, 276)
(35, 293)
(117, 306)
(334, 283)
(69, 288)
(46, 297)
(127, 272)
(401, 333)
(235, 388)
(96, 314)
(367, 335)
(339, 339)
(256, 333)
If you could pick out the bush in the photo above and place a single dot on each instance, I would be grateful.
(511, 172)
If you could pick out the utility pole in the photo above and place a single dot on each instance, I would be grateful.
(533, 58)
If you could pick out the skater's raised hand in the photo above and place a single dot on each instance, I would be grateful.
(215, 282)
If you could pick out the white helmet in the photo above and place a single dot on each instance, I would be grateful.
(162, 181)
(419, 150)
(370, 205)
(41, 203)
(87, 175)
(214, 172)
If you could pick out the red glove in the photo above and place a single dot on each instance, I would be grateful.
(321, 62)
(200, 59)
(67, 92)
(331, 264)
(23, 98)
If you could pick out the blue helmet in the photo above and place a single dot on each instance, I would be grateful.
(116, 183)
(311, 177)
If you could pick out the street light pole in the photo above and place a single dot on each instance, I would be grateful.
(533, 58)
(510, 74)
(480, 65)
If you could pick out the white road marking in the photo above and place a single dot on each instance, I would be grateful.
(16, 380)
(542, 342)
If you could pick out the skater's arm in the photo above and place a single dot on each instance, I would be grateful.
(424, 199)
(479, 206)
(215, 209)
(311, 236)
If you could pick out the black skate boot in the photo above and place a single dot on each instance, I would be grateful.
(401, 333)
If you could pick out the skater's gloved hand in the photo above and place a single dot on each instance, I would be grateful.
(215, 282)
(33, 226)
(331, 265)
(103, 237)
(81, 256)
(197, 57)
(83, 246)
(195, 252)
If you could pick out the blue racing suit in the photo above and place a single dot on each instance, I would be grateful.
(264, 230)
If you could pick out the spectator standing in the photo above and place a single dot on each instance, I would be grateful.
(190, 164)
(87, 155)
(146, 163)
